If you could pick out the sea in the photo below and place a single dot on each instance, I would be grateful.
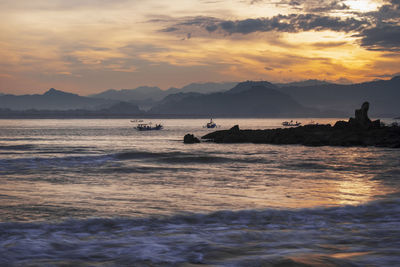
(98, 192)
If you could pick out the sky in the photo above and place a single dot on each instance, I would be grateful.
(88, 46)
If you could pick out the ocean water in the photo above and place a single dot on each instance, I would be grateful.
(100, 193)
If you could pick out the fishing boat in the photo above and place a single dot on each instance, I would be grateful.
(148, 127)
(291, 123)
(210, 124)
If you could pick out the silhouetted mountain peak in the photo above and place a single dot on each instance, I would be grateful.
(54, 92)
(207, 88)
(246, 99)
(248, 85)
(396, 78)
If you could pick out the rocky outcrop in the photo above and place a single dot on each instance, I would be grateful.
(361, 120)
(190, 139)
(358, 131)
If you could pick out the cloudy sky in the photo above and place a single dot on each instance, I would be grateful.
(87, 46)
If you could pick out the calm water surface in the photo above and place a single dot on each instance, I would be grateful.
(99, 193)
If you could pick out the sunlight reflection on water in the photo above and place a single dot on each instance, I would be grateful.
(56, 169)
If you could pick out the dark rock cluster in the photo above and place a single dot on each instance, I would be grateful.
(361, 120)
(358, 131)
(190, 139)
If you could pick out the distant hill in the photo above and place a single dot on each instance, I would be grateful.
(52, 100)
(303, 83)
(143, 96)
(244, 100)
(245, 86)
(207, 88)
(258, 99)
(146, 96)
(383, 96)
(137, 94)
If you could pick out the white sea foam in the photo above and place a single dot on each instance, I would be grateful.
(220, 238)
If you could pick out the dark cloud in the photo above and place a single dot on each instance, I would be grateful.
(197, 21)
(388, 13)
(384, 35)
(316, 22)
(331, 6)
(313, 6)
(211, 27)
(319, 6)
(170, 29)
(378, 30)
(383, 38)
(280, 23)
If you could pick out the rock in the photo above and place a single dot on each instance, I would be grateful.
(341, 125)
(376, 124)
(358, 131)
(190, 139)
(362, 120)
(235, 128)
(362, 114)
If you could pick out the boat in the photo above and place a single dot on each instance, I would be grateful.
(148, 127)
(291, 123)
(211, 124)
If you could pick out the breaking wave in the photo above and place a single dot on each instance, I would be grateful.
(16, 147)
(341, 236)
(43, 161)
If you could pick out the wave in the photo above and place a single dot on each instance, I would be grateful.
(17, 147)
(182, 157)
(342, 236)
(169, 157)
(19, 165)
(51, 162)
(142, 169)
(144, 154)
(41, 149)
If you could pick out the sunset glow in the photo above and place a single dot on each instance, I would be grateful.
(90, 46)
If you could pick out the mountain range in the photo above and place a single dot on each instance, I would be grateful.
(320, 99)
(311, 82)
(247, 99)
(52, 100)
(146, 97)
(383, 95)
